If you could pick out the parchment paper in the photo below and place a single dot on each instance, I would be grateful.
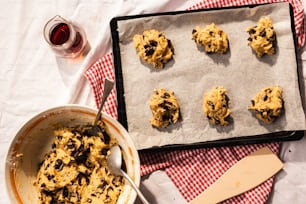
(192, 72)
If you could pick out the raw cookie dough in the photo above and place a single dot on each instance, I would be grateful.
(262, 37)
(75, 171)
(212, 38)
(164, 107)
(216, 106)
(268, 104)
(153, 47)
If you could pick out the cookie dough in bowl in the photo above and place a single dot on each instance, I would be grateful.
(76, 170)
(57, 153)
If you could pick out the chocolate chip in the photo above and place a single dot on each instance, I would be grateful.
(103, 184)
(265, 98)
(149, 51)
(65, 192)
(82, 175)
(253, 102)
(47, 192)
(104, 151)
(59, 164)
(47, 166)
(153, 43)
(81, 157)
(263, 33)
(50, 177)
(167, 117)
(165, 95)
(193, 31)
(70, 144)
(252, 31)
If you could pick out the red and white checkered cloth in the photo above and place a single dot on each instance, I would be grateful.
(194, 170)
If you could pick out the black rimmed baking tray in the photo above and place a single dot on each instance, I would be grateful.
(279, 136)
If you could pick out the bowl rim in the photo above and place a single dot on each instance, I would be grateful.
(10, 186)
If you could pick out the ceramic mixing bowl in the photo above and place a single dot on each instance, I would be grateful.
(34, 140)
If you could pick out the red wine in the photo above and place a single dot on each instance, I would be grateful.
(60, 34)
(66, 39)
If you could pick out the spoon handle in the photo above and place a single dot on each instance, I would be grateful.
(140, 195)
(108, 86)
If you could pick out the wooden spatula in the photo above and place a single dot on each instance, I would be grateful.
(246, 174)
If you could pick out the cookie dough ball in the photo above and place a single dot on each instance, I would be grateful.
(216, 106)
(212, 38)
(154, 48)
(262, 37)
(164, 107)
(268, 104)
(75, 170)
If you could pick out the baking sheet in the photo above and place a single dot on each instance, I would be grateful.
(192, 72)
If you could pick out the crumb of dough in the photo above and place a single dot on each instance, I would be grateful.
(268, 104)
(76, 171)
(262, 37)
(216, 106)
(154, 48)
(164, 107)
(212, 38)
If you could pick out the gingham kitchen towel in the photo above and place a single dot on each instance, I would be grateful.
(194, 170)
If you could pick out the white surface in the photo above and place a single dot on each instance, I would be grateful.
(32, 79)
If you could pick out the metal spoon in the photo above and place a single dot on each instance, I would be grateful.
(114, 161)
(108, 86)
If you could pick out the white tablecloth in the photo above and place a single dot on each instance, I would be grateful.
(32, 79)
